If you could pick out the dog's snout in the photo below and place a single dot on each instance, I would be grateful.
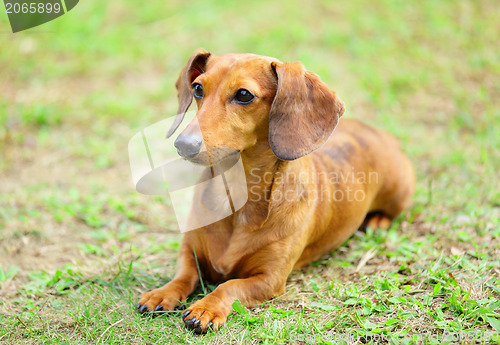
(188, 145)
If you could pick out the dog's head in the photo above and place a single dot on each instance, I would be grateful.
(243, 99)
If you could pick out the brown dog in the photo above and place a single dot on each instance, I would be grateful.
(309, 192)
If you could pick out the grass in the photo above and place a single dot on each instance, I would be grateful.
(78, 245)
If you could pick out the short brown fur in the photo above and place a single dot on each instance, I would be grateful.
(284, 133)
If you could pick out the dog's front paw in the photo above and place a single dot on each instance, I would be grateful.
(157, 302)
(204, 315)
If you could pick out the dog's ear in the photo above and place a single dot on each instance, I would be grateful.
(196, 65)
(304, 112)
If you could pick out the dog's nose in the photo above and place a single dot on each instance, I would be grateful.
(188, 145)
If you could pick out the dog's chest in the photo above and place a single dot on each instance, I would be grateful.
(225, 245)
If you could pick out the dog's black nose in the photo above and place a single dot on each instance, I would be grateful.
(188, 145)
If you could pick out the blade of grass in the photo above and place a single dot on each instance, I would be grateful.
(199, 272)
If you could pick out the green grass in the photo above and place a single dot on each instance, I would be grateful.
(78, 245)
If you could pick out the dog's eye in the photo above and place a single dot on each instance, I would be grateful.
(198, 90)
(243, 96)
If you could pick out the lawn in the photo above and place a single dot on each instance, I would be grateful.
(78, 245)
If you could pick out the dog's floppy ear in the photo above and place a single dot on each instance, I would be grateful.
(196, 65)
(304, 112)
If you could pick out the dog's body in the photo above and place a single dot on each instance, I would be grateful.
(302, 204)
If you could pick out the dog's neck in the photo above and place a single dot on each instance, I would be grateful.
(260, 165)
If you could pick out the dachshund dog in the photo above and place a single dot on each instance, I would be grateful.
(314, 180)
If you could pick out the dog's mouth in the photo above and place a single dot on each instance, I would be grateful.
(215, 156)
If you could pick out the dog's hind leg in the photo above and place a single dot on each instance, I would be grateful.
(376, 220)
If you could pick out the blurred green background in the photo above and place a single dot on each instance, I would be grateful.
(75, 90)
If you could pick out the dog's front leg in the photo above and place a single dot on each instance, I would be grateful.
(266, 273)
(213, 309)
(178, 289)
